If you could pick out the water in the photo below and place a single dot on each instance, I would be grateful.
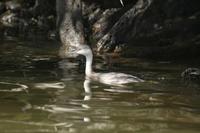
(41, 93)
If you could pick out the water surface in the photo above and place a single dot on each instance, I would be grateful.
(40, 92)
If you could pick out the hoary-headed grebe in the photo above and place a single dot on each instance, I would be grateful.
(111, 78)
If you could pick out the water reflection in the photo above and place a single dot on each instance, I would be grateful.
(13, 87)
(87, 88)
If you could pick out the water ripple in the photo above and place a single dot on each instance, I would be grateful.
(58, 85)
(57, 109)
(13, 87)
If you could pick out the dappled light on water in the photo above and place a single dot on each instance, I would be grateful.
(12, 87)
(40, 92)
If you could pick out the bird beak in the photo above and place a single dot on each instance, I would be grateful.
(121, 1)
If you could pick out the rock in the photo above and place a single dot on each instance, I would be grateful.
(163, 29)
(13, 5)
(71, 29)
(9, 19)
(191, 74)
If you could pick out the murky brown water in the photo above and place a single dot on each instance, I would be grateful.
(41, 93)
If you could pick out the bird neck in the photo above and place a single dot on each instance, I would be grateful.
(88, 68)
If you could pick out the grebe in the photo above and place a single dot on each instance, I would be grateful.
(111, 78)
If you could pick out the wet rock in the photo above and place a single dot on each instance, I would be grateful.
(191, 74)
(17, 18)
(9, 19)
(71, 30)
(104, 23)
(163, 28)
(13, 5)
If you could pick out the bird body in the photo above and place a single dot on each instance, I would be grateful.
(111, 78)
(114, 78)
